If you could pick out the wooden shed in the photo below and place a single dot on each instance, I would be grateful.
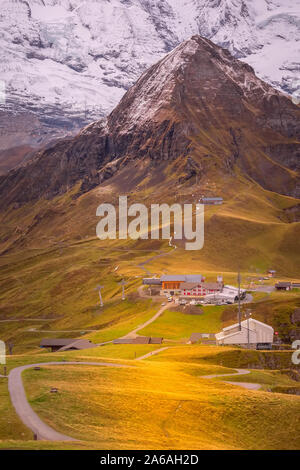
(283, 286)
(66, 344)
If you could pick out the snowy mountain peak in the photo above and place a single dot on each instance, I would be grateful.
(71, 61)
(153, 95)
(197, 111)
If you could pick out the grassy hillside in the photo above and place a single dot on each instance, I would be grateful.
(179, 326)
(158, 403)
(231, 357)
(50, 264)
(51, 260)
(50, 293)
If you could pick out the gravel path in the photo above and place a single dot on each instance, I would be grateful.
(152, 353)
(152, 258)
(133, 333)
(247, 385)
(23, 408)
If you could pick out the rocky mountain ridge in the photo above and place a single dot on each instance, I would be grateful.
(198, 109)
(66, 63)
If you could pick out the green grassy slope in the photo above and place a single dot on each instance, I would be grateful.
(179, 326)
(50, 293)
(159, 403)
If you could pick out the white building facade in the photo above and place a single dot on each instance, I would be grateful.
(252, 332)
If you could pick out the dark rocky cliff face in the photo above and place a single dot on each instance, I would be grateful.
(198, 104)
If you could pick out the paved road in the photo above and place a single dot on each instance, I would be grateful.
(24, 410)
(152, 353)
(267, 289)
(133, 333)
(247, 385)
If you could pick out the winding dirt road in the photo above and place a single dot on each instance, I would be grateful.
(152, 258)
(23, 408)
(247, 385)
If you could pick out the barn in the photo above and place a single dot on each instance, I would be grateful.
(283, 286)
(63, 344)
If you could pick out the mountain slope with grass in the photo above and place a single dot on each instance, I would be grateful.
(199, 122)
(164, 402)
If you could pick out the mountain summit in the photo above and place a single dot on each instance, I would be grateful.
(66, 63)
(73, 56)
(198, 109)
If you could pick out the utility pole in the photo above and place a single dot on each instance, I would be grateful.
(239, 299)
(98, 288)
(248, 315)
(123, 284)
(10, 348)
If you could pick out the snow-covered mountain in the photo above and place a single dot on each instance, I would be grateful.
(197, 113)
(69, 61)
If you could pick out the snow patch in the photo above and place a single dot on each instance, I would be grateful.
(80, 57)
